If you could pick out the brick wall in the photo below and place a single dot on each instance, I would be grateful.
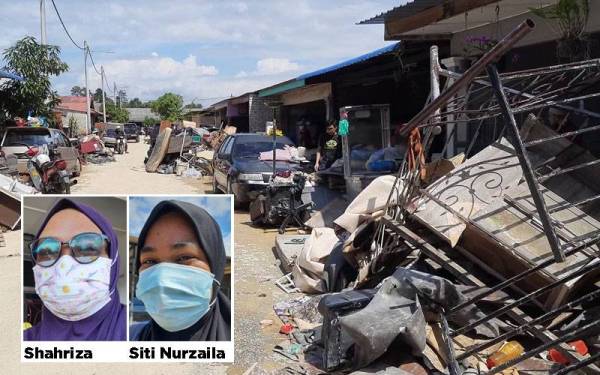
(259, 113)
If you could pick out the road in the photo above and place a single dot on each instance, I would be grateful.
(127, 176)
(255, 270)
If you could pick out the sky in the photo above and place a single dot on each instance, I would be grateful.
(219, 206)
(202, 50)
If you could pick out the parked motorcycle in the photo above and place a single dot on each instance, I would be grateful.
(48, 176)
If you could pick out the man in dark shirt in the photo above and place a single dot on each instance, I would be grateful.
(330, 147)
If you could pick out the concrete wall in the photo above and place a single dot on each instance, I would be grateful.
(545, 30)
(259, 113)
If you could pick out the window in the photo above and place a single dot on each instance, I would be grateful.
(227, 147)
(36, 137)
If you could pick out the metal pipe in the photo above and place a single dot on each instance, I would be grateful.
(520, 329)
(578, 203)
(563, 135)
(525, 298)
(499, 49)
(530, 178)
(560, 171)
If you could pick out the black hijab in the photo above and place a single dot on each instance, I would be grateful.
(215, 324)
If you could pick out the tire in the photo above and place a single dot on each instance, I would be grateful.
(236, 202)
(79, 168)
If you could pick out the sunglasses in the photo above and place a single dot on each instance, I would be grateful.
(86, 248)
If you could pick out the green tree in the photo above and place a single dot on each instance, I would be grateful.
(77, 91)
(169, 106)
(98, 96)
(115, 113)
(193, 105)
(36, 64)
(135, 103)
(149, 121)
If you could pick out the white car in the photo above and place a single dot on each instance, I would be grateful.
(14, 140)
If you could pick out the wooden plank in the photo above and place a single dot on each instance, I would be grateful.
(469, 188)
(395, 26)
(10, 209)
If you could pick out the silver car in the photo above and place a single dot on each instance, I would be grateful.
(14, 138)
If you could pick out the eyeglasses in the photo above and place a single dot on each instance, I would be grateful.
(86, 248)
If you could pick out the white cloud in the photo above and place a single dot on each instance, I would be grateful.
(288, 39)
(150, 77)
(271, 65)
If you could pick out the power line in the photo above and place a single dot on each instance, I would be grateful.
(64, 27)
(92, 60)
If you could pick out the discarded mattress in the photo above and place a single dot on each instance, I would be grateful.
(310, 264)
(159, 150)
(368, 203)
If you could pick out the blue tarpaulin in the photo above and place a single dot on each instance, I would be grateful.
(5, 74)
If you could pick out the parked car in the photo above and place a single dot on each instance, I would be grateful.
(110, 137)
(14, 140)
(132, 131)
(237, 168)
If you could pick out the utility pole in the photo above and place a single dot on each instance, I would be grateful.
(115, 93)
(43, 36)
(88, 119)
(103, 97)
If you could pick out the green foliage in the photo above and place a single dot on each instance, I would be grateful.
(193, 105)
(135, 103)
(115, 113)
(36, 64)
(169, 106)
(73, 127)
(77, 91)
(148, 121)
(571, 15)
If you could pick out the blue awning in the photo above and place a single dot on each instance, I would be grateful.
(5, 74)
(367, 56)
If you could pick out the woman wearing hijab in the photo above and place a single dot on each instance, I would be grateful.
(76, 256)
(181, 262)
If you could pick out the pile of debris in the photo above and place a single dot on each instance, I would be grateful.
(479, 266)
(94, 151)
(186, 153)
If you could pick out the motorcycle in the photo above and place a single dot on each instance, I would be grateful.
(121, 146)
(48, 176)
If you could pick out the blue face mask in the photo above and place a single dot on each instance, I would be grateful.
(174, 295)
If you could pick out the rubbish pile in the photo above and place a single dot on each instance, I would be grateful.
(183, 154)
(480, 263)
(94, 151)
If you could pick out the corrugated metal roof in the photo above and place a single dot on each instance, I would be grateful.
(140, 114)
(405, 10)
(281, 87)
(6, 74)
(367, 56)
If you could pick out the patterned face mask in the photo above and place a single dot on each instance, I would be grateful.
(71, 290)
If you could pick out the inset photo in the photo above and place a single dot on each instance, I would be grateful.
(74, 268)
(180, 268)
